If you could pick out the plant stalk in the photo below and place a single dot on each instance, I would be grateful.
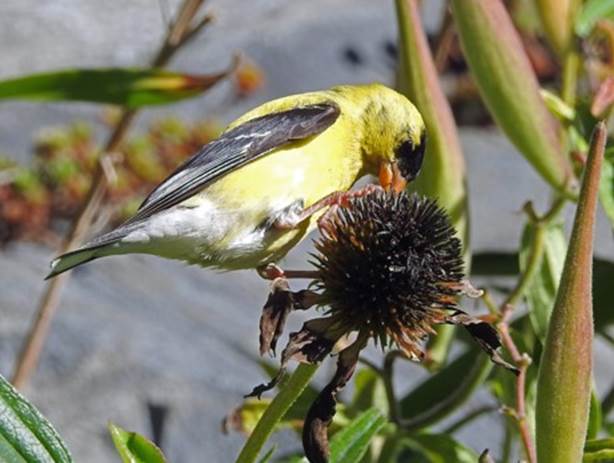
(276, 410)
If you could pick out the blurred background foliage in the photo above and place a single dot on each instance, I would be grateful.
(541, 71)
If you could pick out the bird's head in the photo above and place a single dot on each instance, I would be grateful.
(395, 137)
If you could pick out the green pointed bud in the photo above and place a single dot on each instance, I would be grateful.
(508, 85)
(558, 19)
(565, 373)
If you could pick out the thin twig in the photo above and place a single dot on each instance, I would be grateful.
(522, 361)
(33, 345)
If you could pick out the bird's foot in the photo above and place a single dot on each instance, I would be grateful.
(343, 200)
(331, 201)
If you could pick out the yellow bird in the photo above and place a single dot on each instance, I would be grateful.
(245, 199)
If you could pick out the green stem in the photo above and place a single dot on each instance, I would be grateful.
(276, 411)
(571, 68)
(533, 265)
(387, 376)
(571, 64)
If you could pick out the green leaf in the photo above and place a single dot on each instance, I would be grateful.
(599, 450)
(541, 293)
(351, 443)
(565, 370)
(443, 392)
(438, 448)
(606, 187)
(369, 391)
(131, 88)
(595, 418)
(134, 448)
(25, 435)
(593, 11)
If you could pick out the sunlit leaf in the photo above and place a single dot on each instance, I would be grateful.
(541, 293)
(599, 450)
(443, 392)
(591, 12)
(350, 444)
(134, 448)
(25, 435)
(131, 88)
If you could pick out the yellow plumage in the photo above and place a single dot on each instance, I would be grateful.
(230, 222)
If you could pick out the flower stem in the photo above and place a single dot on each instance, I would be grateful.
(275, 412)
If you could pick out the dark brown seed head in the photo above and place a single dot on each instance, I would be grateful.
(390, 265)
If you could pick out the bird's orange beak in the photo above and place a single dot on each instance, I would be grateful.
(390, 177)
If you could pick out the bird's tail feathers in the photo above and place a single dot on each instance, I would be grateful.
(72, 259)
(99, 247)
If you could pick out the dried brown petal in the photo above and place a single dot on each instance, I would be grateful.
(279, 304)
(311, 344)
(274, 313)
(322, 411)
(485, 335)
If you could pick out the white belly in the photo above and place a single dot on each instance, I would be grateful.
(205, 234)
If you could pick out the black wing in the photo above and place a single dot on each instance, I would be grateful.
(234, 148)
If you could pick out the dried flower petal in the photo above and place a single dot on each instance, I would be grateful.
(322, 411)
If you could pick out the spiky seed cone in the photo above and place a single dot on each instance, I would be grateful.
(390, 265)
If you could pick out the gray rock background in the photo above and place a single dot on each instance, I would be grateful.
(133, 329)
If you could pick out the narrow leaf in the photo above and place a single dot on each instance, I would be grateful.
(595, 418)
(599, 450)
(443, 392)
(564, 382)
(134, 448)
(351, 443)
(25, 434)
(131, 88)
(508, 85)
(591, 12)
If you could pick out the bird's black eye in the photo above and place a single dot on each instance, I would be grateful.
(410, 157)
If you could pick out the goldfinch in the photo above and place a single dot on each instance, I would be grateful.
(245, 199)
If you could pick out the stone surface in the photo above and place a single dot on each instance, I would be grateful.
(137, 329)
